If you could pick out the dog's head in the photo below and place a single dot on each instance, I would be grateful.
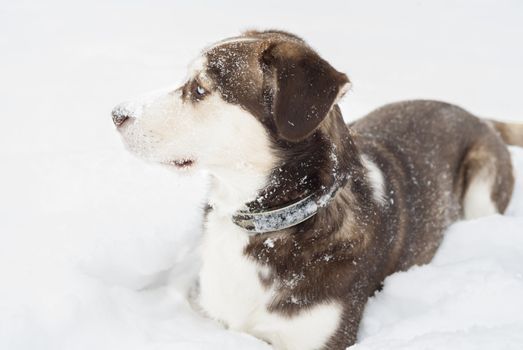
(241, 96)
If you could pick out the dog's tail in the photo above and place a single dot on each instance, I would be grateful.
(511, 133)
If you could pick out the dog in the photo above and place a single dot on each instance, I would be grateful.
(307, 215)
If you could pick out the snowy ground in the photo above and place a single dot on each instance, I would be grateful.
(97, 248)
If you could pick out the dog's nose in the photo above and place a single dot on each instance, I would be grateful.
(119, 119)
(120, 115)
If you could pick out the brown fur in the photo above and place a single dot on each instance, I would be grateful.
(428, 152)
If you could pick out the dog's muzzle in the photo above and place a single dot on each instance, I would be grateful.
(120, 115)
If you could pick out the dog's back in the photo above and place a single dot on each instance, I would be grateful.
(436, 157)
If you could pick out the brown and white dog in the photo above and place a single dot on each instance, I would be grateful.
(308, 215)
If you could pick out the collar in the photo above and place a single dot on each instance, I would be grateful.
(257, 222)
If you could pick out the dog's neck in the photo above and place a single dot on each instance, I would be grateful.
(311, 170)
(231, 188)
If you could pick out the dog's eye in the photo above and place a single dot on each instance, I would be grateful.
(199, 91)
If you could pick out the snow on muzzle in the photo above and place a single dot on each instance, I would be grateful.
(134, 108)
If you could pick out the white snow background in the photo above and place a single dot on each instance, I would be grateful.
(97, 248)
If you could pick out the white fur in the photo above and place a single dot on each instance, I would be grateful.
(197, 66)
(166, 129)
(232, 293)
(376, 178)
(477, 201)
(309, 330)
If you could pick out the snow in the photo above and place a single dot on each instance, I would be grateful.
(98, 249)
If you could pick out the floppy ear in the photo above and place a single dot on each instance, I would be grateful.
(306, 88)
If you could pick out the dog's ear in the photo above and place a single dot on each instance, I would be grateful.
(306, 87)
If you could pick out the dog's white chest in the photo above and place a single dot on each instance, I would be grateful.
(230, 288)
(230, 291)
